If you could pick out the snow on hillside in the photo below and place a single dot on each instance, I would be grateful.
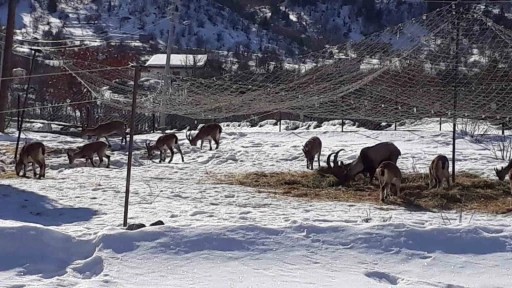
(289, 27)
(65, 230)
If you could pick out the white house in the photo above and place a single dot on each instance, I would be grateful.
(183, 65)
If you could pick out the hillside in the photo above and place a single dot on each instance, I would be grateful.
(291, 27)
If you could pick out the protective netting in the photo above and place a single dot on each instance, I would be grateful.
(413, 70)
(450, 62)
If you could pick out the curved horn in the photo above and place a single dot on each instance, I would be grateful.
(335, 161)
(329, 161)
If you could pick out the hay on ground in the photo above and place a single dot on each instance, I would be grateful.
(10, 149)
(471, 192)
(8, 174)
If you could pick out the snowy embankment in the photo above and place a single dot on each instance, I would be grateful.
(65, 230)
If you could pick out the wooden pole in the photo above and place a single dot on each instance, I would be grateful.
(20, 125)
(455, 93)
(280, 120)
(6, 64)
(130, 144)
(154, 122)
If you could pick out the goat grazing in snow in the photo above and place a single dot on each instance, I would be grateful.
(88, 150)
(210, 131)
(388, 174)
(164, 142)
(438, 171)
(32, 153)
(312, 148)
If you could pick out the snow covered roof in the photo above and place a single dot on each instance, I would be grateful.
(178, 60)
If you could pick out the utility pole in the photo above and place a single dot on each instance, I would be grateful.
(6, 62)
(136, 79)
(173, 9)
(455, 86)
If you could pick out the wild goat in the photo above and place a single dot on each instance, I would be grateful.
(165, 141)
(106, 129)
(366, 163)
(311, 148)
(210, 131)
(32, 152)
(88, 150)
(388, 174)
(438, 171)
(337, 169)
(503, 171)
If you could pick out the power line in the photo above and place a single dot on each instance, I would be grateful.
(64, 73)
(49, 106)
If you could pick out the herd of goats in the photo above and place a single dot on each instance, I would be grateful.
(35, 152)
(374, 161)
(380, 161)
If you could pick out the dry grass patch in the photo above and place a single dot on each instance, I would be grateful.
(10, 149)
(471, 192)
(8, 174)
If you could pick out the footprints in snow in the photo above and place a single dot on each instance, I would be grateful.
(383, 277)
(89, 268)
(389, 279)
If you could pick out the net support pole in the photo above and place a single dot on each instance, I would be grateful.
(440, 123)
(280, 120)
(19, 110)
(455, 90)
(342, 125)
(503, 128)
(27, 89)
(130, 144)
(153, 122)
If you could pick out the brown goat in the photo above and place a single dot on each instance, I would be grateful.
(165, 141)
(88, 150)
(210, 131)
(106, 129)
(438, 171)
(366, 163)
(312, 148)
(336, 168)
(503, 171)
(32, 153)
(388, 174)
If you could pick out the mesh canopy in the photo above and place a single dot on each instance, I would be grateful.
(410, 71)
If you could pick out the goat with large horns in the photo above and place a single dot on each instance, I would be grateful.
(503, 171)
(366, 163)
(336, 168)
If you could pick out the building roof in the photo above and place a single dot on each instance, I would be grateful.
(178, 60)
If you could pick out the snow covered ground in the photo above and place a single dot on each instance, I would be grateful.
(65, 230)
